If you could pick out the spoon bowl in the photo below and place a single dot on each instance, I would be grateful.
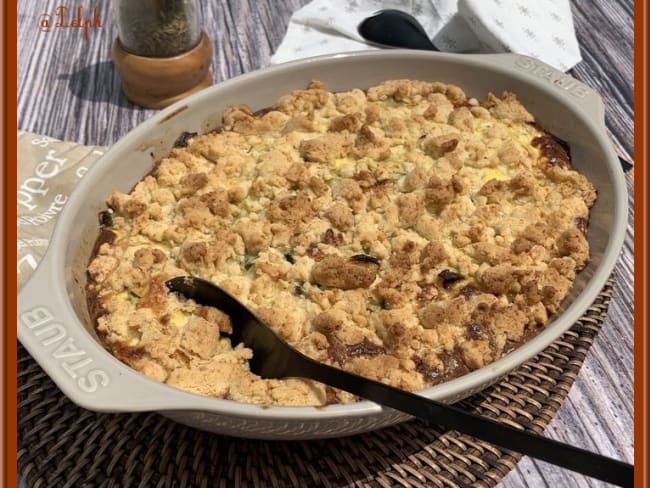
(395, 28)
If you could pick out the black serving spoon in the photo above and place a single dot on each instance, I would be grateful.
(274, 358)
(398, 29)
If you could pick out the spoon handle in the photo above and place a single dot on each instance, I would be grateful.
(563, 455)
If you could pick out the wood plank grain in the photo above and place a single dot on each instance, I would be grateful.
(68, 89)
(605, 32)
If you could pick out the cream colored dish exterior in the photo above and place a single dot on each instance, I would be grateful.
(53, 322)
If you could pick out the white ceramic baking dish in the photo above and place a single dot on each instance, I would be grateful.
(53, 322)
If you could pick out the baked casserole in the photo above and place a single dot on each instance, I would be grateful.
(406, 233)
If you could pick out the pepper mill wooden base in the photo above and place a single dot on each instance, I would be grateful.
(159, 82)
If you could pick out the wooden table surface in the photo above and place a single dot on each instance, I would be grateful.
(69, 89)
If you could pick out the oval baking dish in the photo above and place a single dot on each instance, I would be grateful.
(53, 322)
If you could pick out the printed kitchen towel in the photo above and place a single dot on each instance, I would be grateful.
(542, 29)
(48, 170)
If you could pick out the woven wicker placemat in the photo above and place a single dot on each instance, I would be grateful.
(62, 445)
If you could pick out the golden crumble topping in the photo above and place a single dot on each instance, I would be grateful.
(406, 233)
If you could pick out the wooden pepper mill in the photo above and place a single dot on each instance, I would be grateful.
(161, 53)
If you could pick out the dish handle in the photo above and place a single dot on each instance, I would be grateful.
(51, 331)
(576, 92)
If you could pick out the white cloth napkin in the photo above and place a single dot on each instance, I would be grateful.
(542, 29)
